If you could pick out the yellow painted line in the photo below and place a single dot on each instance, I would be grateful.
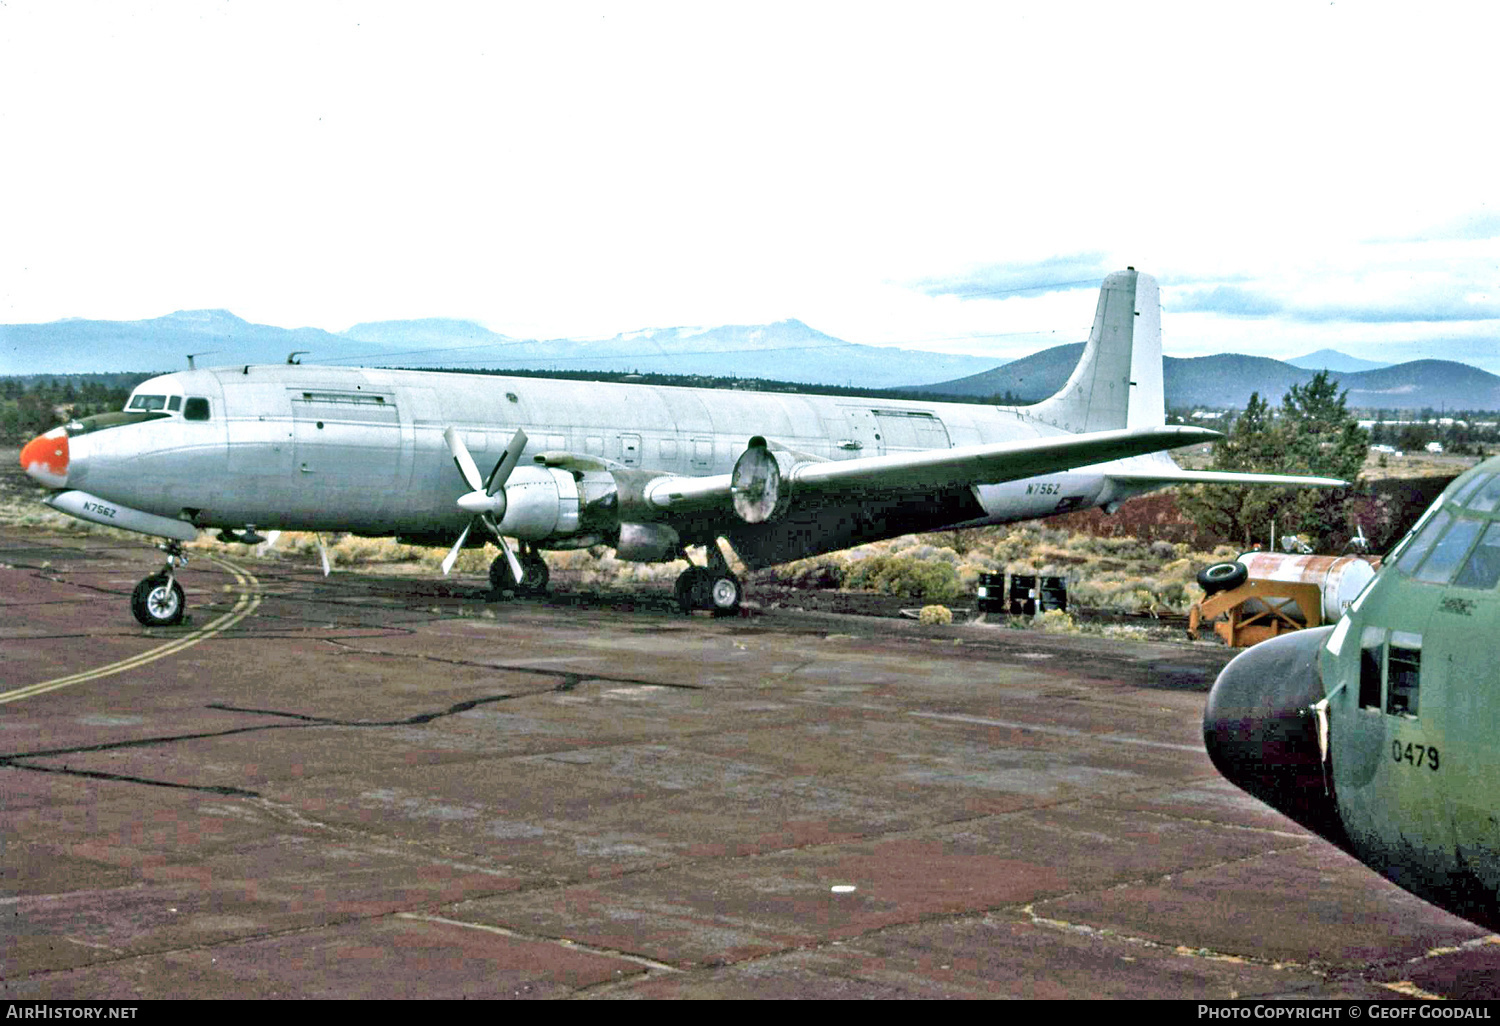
(249, 601)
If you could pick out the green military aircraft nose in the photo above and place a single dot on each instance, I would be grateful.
(1261, 729)
(1379, 733)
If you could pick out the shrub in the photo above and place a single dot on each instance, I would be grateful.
(935, 615)
(1056, 621)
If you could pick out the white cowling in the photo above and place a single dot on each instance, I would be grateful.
(540, 502)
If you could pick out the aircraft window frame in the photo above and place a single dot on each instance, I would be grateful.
(192, 406)
(1415, 547)
(1445, 557)
(1371, 668)
(105, 421)
(1470, 487)
(1481, 567)
(1403, 671)
(1485, 499)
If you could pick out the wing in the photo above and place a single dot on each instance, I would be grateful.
(1177, 476)
(930, 469)
(1158, 470)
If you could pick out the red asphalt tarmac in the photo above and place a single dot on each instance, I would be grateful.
(388, 787)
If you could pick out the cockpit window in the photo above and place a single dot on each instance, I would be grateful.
(148, 403)
(1486, 498)
(1469, 487)
(196, 408)
(101, 421)
(1449, 551)
(1420, 540)
(174, 403)
(1482, 568)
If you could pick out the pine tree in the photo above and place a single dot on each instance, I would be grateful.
(1313, 433)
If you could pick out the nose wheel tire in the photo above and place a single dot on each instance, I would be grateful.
(534, 575)
(158, 601)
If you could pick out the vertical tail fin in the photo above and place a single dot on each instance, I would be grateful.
(1118, 380)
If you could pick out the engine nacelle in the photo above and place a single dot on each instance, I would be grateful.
(540, 502)
(648, 543)
(568, 507)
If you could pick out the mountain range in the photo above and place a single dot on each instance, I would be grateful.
(1228, 379)
(785, 351)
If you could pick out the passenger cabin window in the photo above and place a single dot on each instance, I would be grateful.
(196, 408)
(1482, 568)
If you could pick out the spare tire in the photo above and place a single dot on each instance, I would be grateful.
(1222, 577)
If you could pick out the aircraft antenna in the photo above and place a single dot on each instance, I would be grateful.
(190, 356)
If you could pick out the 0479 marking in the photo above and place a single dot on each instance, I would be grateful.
(1415, 754)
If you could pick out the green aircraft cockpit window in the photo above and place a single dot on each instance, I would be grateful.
(1448, 553)
(1421, 540)
(1482, 568)
(1470, 486)
(196, 408)
(1485, 500)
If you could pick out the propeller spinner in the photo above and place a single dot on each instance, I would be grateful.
(486, 500)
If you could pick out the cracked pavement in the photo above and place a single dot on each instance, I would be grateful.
(385, 786)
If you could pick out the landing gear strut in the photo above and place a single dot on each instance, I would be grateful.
(534, 573)
(158, 600)
(713, 587)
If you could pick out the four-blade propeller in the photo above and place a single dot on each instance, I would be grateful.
(486, 500)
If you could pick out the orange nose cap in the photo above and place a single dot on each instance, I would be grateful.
(45, 458)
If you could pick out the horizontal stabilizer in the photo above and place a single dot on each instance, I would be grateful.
(938, 469)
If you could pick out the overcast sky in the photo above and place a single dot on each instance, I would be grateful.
(955, 177)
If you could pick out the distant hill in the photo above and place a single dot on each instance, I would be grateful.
(1332, 359)
(1228, 379)
(163, 343)
(787, 350)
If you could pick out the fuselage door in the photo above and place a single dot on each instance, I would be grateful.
(861, 435)
(630, 450)
(348, 449)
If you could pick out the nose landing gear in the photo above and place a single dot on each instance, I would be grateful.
(157, 601)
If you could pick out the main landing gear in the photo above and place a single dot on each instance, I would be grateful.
(534, 573)
(713, 587)
(158, 600)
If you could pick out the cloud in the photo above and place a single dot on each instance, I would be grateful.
(1229, 300)
(1055, 274)
(1440, 306)
(1474, 226)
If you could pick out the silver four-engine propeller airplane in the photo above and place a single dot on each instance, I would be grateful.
(648, 470)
